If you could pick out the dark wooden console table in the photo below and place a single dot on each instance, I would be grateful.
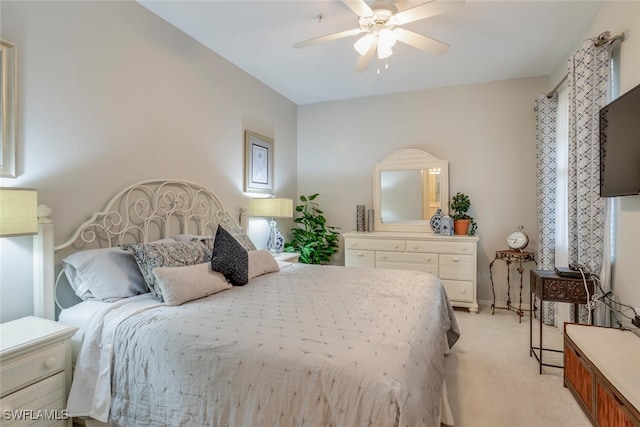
(548, 286)
(510, 256)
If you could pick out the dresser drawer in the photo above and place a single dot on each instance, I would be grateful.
(354, 258)
(406, 257)
(459, 290)
(408, 261)
(441, 247)
(375, 245)
(31, 367)
(456, 267)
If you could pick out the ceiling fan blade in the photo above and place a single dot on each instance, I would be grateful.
(432, 8)
(364, 61)
(359, 7)
(327, 38)
(421, 42)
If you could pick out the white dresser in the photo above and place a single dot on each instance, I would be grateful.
(452, 258)
(35, 371)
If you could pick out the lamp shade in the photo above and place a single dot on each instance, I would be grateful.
(363, 44)
(273, 208)
(18, 212)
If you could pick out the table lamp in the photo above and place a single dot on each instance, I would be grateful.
(18, 212)
(272, 208)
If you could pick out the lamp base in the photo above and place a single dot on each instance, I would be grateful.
(275, 244)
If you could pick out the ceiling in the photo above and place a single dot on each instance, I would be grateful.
(490, 40)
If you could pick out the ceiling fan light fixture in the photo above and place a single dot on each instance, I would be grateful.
(387, 38)
(384, 51)
(363, 44)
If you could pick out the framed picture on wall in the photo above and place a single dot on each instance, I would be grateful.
(8, 107)
(258, 163)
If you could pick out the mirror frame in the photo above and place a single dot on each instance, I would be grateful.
(409, 159)
(8, 72)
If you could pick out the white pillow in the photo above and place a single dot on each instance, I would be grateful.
(105, 274)
(261, 262)
(182, 284)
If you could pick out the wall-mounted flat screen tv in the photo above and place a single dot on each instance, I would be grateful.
(620, 146)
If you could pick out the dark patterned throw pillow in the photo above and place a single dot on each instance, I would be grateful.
(230, 258)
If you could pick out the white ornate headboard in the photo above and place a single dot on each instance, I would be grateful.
(142, 212)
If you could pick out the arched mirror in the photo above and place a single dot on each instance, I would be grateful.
(409, 186)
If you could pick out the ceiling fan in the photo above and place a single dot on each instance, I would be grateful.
(381, 22)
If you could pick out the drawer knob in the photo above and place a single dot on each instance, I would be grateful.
(353, 245)
(384, 257)
(464, 291)
(463, 249)
(360, 254)
(415, 247)
(50, 362)
(396, 246)
(456, 259)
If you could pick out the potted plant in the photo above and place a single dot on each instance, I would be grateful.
(313, 238)
(463, 223)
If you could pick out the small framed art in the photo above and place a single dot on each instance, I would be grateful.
(258, 163)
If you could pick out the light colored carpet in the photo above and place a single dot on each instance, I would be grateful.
(493, 381)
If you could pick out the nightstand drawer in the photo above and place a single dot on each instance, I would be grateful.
(33, 366)
(46, 395)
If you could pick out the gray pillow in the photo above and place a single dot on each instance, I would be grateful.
(177, 254)
(106, 274)
(243, 239)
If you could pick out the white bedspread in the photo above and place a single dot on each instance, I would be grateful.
(309, 345)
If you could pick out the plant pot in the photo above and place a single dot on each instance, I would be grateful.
(461, 226)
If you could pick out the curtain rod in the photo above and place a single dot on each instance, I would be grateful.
(601, 40)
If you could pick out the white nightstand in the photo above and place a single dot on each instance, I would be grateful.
(35, 371)
(287, 256)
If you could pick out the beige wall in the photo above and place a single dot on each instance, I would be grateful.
(110, 94)
(485, 131)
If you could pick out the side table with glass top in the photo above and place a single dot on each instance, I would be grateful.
(510, 256)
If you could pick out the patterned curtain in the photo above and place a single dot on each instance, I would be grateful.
(546, 114)
(588, 84)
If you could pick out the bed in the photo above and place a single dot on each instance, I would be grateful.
(296, 345)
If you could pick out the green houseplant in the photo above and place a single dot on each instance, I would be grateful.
(313, 238)
(463, 223)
